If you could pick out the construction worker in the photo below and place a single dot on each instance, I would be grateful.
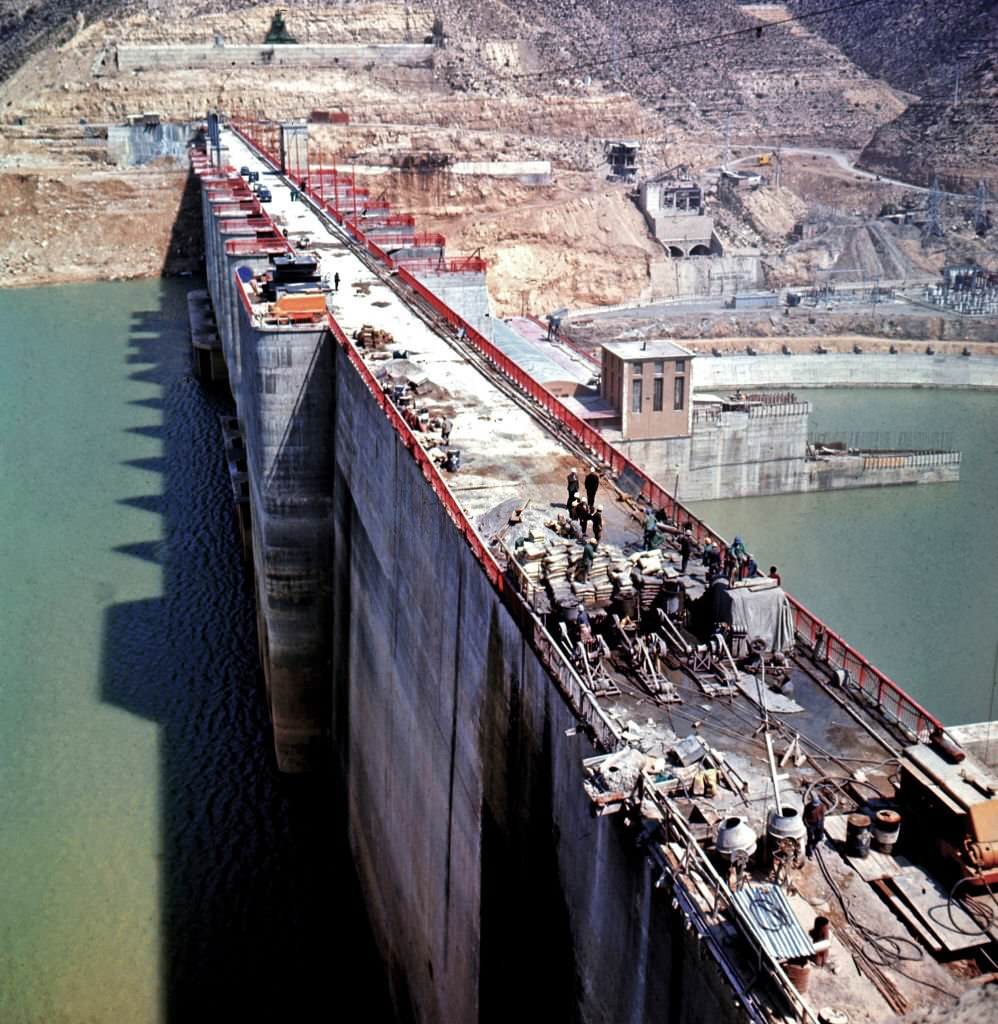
(814, 820)
(588, 554)
(774, 574)
(336, 282)
(651, 529)
(592, 486)
(597, 518)
(685, 547)
(711, 557)
(445, 429)
(585, 626)
(737, 557)
(582, 514)
(573, 487)
(738, 550)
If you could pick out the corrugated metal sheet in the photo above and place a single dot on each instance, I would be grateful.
(774, 921)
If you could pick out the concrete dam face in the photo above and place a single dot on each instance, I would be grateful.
(508, 871)
(386, 646)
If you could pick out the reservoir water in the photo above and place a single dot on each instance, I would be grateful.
(155, 866)
(906, 574)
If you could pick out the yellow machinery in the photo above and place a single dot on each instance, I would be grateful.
(764, 160)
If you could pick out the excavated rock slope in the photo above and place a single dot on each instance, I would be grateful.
(786, 83)
(923, 46)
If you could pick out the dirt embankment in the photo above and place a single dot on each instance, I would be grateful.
(99, 224)
(577, 241)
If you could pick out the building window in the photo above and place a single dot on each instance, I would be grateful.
(637, 369)
(680, 393)
(656, 402)
(636, 395)
(659, 367)
(680, 366)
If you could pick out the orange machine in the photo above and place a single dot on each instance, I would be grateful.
(306, 308)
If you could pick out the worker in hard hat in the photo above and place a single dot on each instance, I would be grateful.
(597, 521)
(585, 626)
(686, 545)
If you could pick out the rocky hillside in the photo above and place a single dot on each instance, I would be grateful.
(940, 137)
(767, 84)
(914, 44)
(922, 46)
(26, 28)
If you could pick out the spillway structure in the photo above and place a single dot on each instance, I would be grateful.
(570, 797)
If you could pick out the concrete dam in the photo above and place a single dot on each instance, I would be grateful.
(545, 758)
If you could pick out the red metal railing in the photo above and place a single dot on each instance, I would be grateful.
(256, 246)
(245, 224)
(409, 241)
(261, 136)
(227, 193)
(447, 265)
(429, 469)
(569, 342)
(382, 220)
(249, 207)
(875, 685)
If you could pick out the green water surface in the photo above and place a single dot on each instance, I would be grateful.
(906, 574)
(155, 866)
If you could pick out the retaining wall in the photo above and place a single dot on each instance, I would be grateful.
(840, 471)
(151, 58)
(703, 276)
(129, 145)
(844, 370)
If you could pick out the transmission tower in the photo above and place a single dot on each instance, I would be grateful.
(933, 223)
(981, 219)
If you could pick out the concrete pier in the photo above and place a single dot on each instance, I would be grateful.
(206, 345)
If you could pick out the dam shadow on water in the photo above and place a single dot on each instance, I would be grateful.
(260, 912)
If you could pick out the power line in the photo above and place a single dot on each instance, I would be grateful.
(753, 30)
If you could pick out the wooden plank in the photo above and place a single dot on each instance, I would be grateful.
(940, 794)
(909, 917)
(945, 774)
(876, 866)
(931, 901)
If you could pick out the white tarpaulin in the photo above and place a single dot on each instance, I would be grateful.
(761, 610)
